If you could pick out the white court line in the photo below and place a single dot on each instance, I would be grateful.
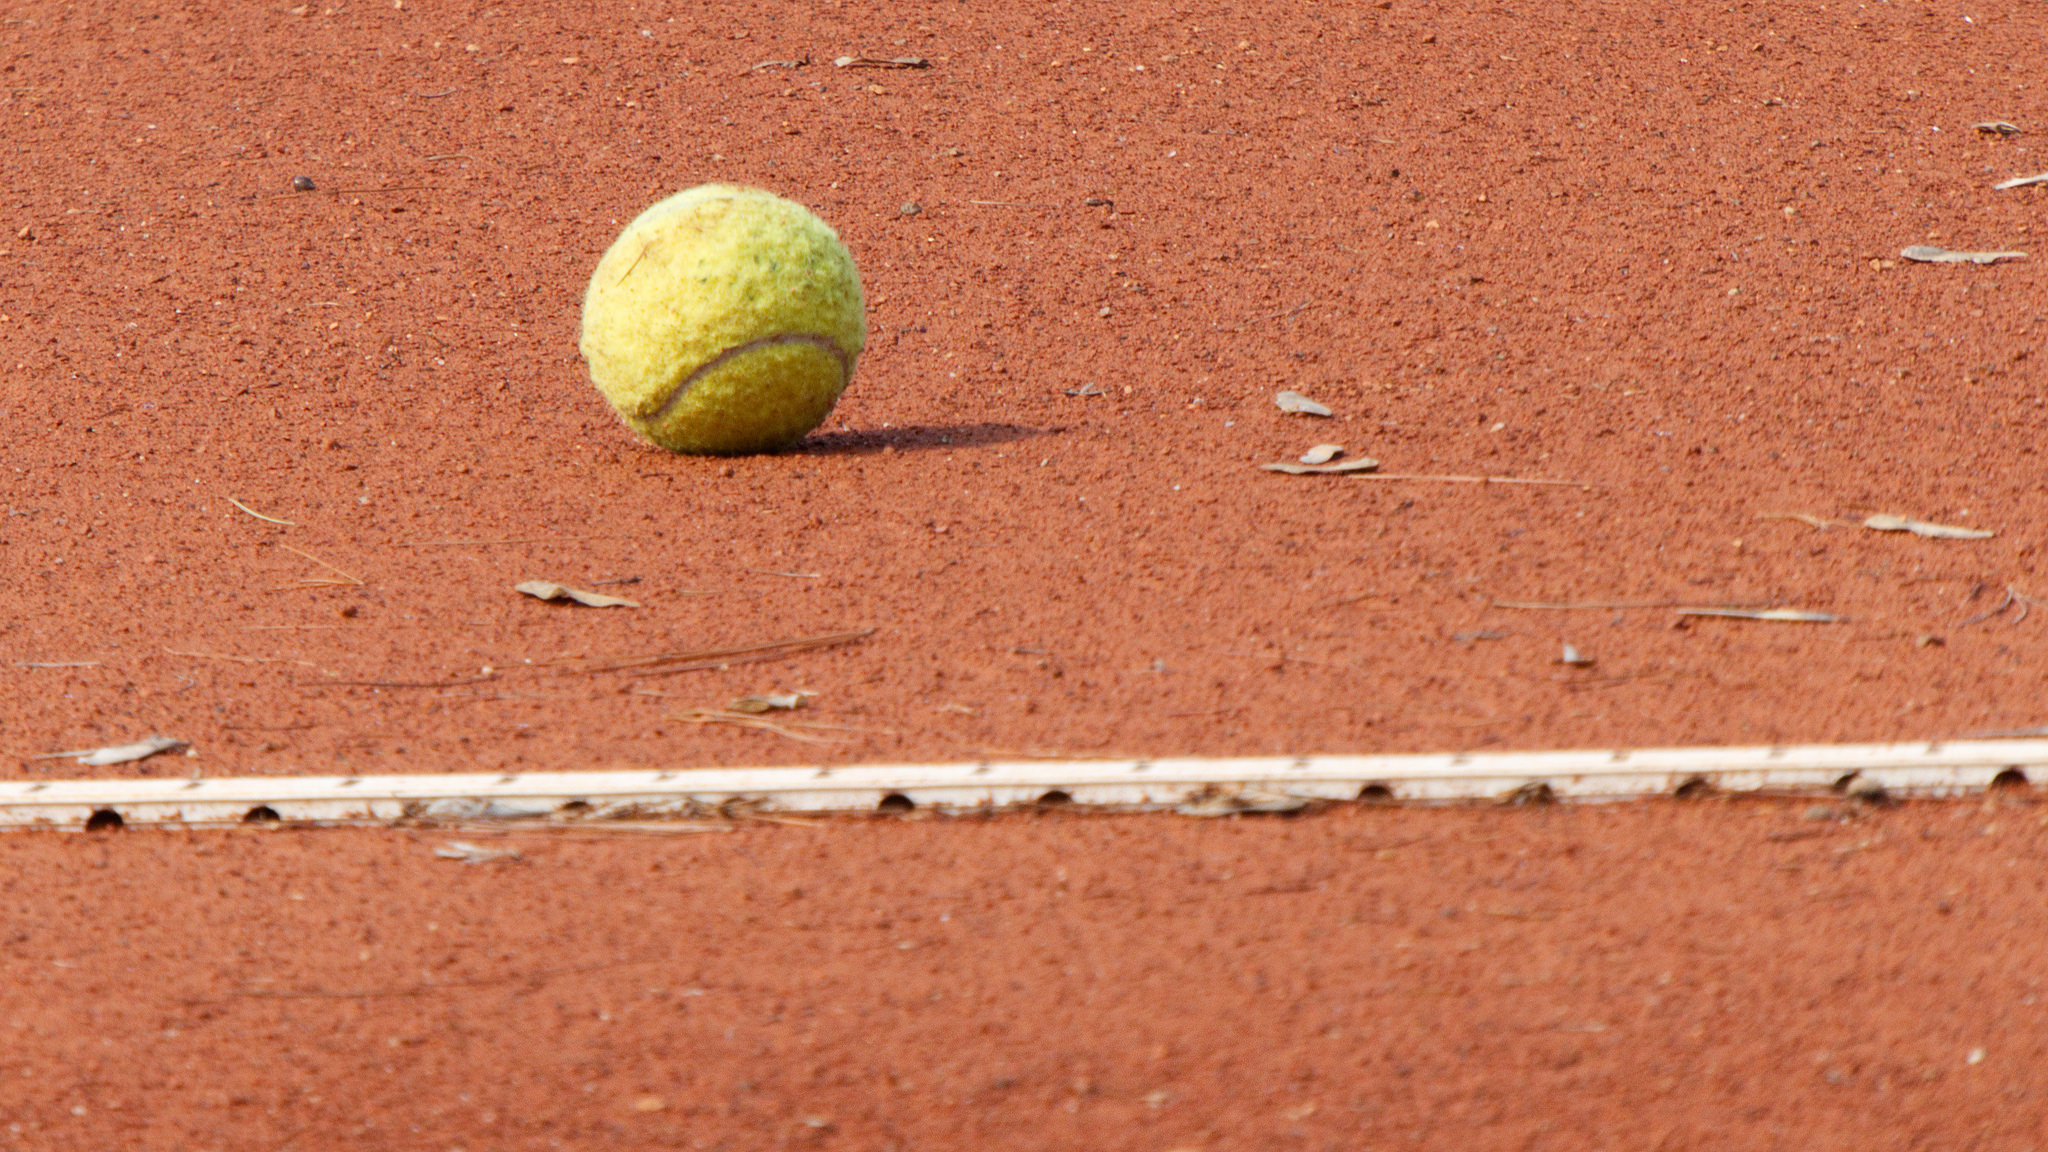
(1917, 769)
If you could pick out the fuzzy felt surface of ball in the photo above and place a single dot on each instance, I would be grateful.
(724, 320)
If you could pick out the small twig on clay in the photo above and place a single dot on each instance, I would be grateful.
(748, 720)
(1781, 615)
(1574, 606)
(881, 62)
(1802, 517)
(238, 659)
(259, 515)
(2025, 602)
(1574, 684)
(121, 753)
(706, 658)
(493, 543)
(1385, 604)
(2001, 606)
(363, 191)
(345, 577)
(394, 683)
(1448, 479)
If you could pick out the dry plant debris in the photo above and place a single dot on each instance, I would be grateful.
(1476, 637)
(705, 659)
(881, 62)
(546, 590)
(337, 580)
(1294, 402)
(2012, 596)
(469, 853)
(1322, 454)
(1884, 522)
(234, 659)
(1445, 478)
(121, 753)
(2021, 181)
(1358, 464)
(1236, 802)
(771, 702)
(1929, 254)
(494, 543)
(1802, 517)
(1997, 127)
(784, 728)
(1574, 658)
(1583, 605)
(259, 515)
(1783, 615)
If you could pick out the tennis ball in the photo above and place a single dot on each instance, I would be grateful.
(724, 320)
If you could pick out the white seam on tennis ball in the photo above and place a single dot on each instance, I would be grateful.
(825, 342)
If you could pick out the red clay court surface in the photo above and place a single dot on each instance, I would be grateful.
(1652, 249)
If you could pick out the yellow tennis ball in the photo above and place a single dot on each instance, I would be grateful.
(724, 320)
